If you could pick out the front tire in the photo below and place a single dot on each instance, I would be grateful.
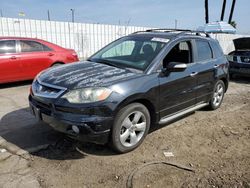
(56, 64)
(131, 126)
(218, 95)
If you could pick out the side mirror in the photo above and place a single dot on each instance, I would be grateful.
(176, 67)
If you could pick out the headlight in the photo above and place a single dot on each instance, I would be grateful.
(87, 95)
(230, 58)
(38, 75)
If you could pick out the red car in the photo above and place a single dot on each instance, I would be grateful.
(23, 58)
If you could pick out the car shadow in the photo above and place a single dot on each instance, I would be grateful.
(20, 128)
(157, 126)
(15, 84)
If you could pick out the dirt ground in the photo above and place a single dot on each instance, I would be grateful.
(215, 144)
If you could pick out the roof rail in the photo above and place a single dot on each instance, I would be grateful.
(167, 30)
(198, 33)
(182, 31)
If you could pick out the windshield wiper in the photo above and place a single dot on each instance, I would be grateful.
(106, 62)
(90, 60)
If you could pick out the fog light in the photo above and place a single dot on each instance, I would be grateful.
(75, 129)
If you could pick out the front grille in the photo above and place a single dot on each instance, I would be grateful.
(46, 109)
(245, 59)
(46, 90)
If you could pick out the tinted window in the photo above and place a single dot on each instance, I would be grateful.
(32, 46)
(217, 49)
(153, 45)
(243, 56)
(46, 48)
(180, 53)
(203, 50)
(7, 46)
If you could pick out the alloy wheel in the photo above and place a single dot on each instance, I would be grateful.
(218, 94)
(132, 129)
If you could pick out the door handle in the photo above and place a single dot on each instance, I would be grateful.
(193, 74)
(215, 66)
(50, 54)
(13, 57)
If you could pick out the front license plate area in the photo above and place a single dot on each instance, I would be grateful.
(245, 70)
(36, 112)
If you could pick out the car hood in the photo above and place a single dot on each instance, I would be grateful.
(242, 43)
(85, 74)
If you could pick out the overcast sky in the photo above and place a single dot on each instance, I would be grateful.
(152, 13)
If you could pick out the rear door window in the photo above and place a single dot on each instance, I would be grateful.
(32, 46)
(7, 46)
(204, 51)
(216, 49)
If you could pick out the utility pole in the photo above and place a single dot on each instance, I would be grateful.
(206, 11)
(128, 22)
(72, 14)
(48, 15)
(1, 12)
(126, 25)
(223, 10)
(175, 23)
(231, 12)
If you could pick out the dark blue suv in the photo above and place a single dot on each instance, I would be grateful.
(136, 82)
(239, 60)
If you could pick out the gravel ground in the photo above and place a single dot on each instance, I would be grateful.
(215, 144)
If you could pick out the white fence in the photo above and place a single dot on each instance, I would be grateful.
(226, 41)
(84, 38)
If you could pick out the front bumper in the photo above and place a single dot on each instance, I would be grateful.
(92, 128)
(239, 68)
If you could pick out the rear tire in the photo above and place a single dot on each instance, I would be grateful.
(218, 95)
(130, 127)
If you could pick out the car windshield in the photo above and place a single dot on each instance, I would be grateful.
(130, 52)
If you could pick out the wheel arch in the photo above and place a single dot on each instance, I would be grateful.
(146, 102)
(57, 62)
(225, 81)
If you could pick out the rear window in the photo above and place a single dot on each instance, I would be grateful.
(203, 50)
(243, 56)
(32, 46)
(7, 46)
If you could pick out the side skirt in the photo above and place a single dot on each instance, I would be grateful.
(171, 117)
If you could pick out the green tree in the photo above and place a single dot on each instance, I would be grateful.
(234, 24)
